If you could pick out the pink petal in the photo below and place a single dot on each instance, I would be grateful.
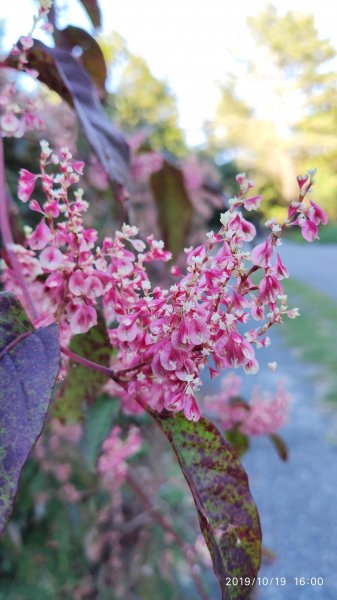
(40, 237)
(83, 319)
(77, 283)
(51, 259)
(310, 231)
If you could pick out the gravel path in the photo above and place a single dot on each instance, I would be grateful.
(313, 264)
(297, 500)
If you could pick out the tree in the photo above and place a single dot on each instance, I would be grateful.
(295, 82)
(140, 100)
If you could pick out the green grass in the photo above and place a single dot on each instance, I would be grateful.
(327, 234)
(313, 334)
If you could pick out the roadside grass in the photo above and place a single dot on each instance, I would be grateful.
(313, 334)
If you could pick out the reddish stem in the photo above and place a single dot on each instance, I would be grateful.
(15, 342)
(85, 362)
(130, 369)
(8, 241)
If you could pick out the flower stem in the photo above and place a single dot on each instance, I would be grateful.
(85, 362)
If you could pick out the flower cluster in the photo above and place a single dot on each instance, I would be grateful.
(57, 450)
(18, 116)
(163, 338)
(112, 465)
(263, 415)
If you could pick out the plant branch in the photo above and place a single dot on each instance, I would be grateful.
(130, 369)
(85, 362)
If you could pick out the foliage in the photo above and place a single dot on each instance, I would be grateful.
(217, 480)
(173, 203)
(82, 386)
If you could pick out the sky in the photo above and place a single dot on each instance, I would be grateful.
(188, 43)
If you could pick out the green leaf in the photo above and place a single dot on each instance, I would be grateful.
(82, 385)
(97, 425)
(29, 363)
(238, 440)
(13, 319)
(174, 206)
(227, 512)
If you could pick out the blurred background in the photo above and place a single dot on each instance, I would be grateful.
(204, 90)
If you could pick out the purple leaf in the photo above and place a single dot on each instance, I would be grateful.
(92, 56)
(29, 363)
(227, 513)
(64, 74)
(93, 10)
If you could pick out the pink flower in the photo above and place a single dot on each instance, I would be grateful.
(317, 214)
(263, 415)
(191, 409)
(52, 208)
(269, 289)
(261, 255)
(51, 259)
(27, 42)
(54, 280)
(83, 318)
(48, 27)
(34, 205)
(127, 330)
(280, 269)
(243, 229)
(40, 237)
(170, 359)
(77, 283)
(266, 414)
(252, 203)
(198, 330)
(94, 287)
(235, 349)
(309, 219)
(112, 465)
(26, 185)
(309, 231)
(302, 180)
(78, 166)
(10, 124)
